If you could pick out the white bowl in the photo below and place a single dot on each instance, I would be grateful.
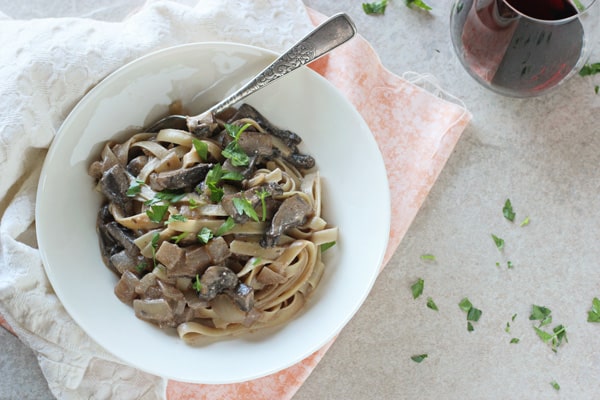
(356, 199)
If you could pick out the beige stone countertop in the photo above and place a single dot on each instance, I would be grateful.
(541, 153)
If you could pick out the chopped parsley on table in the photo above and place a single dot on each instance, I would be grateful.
(419, 4)
(417, 288)
(473, 314)
(558, 333)
(507, 211)
(594, 313)
(375, 8)
(419, 357)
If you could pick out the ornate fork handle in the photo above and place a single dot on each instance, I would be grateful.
(330, 34)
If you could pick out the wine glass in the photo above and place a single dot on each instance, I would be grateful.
(523, 48)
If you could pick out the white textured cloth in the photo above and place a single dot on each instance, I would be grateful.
(46, 66)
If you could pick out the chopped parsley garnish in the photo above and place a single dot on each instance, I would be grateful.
(157, 212)
(419, 357)
(197, 285)
(193, 204)
(201, 148)
(244, 206)
(233, 151)
(594, 313)
(216, 175)
(427, 257)
(590, 69)
(498, 241)
(431, 304)
(168, 196)
(180, 237)
(326, 246)
(176, 217)
(507, 211)
(135, 188)
(555, 385)
(509, 264)
(542, 314)
(514, 340)
(525, 222)
(419, 4)
(473, 314)
(225, 227)
(375, 8)
(262, 195)
(141, 267)
(204, 235)
(417, 288)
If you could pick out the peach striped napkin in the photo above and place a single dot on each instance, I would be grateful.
(415, 128)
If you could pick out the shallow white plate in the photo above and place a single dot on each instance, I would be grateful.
(356, 199)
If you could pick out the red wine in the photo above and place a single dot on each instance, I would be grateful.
(548, 10)
(516, 54)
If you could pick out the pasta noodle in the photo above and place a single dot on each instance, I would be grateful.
(214, 233)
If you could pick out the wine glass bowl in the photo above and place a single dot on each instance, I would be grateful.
(523, 48)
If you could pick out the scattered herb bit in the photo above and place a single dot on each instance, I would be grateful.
(262, 195)
(555, 385)
(590, 69)
(201, 148)
(507, 328)
(204, 235)
(212, 179)
(497, 264)
(419, 4)
(375, 8)
(233, 151)
(169, 196)
(431, 304)
(417, 288)
(465, 305)
(514, 340)
(326, 246)
(197, 285)
(176, 217)
(556, 338)
(542, 314)
(507, 210)
(428, 257)
(157, 212)
(244, 206)
(509, 265)
(232, 176)
(525, 222)
(225, 227)
(513, 317)
(596, 89)
(256, 261)
(473, 314)
(193, 204)
(418, 358)
(135, 188)
(141, 267)
(594, 313)
(498, 241)
(179, 237)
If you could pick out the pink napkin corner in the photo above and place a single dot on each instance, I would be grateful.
(416, 131)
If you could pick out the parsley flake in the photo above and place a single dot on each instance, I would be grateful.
(555, 385)
(225, 227)
(326, 246)
(507, 211)
(197, 285)
(201, 148)
(590, 69)
(375, 8)
(417, 288)
(427, 257)
(498, 241)
(233, 150)
(180, 237)
(514, 340)
(525, 222)
(204, 235)
(135, 188)
(431, 304)
(473, 314)
(542, 314)
(244, 206)
(419, 4)
(418, 358)
(594, 313)
(262, 195)
(157, 212)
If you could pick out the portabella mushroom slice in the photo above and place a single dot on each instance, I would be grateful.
(157, 311)
(293, 212)
(243, 296)
(114, 184)
(125, 288)
(215, 280)
(183, 178)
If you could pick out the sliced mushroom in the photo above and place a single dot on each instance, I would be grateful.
(170, 255)
(203, 125)
(114, 184)
(215, 280)
(123, 261)
(293, 212)
(243, 296)
(185, 178)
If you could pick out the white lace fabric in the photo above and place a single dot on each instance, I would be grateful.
(46, 66)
